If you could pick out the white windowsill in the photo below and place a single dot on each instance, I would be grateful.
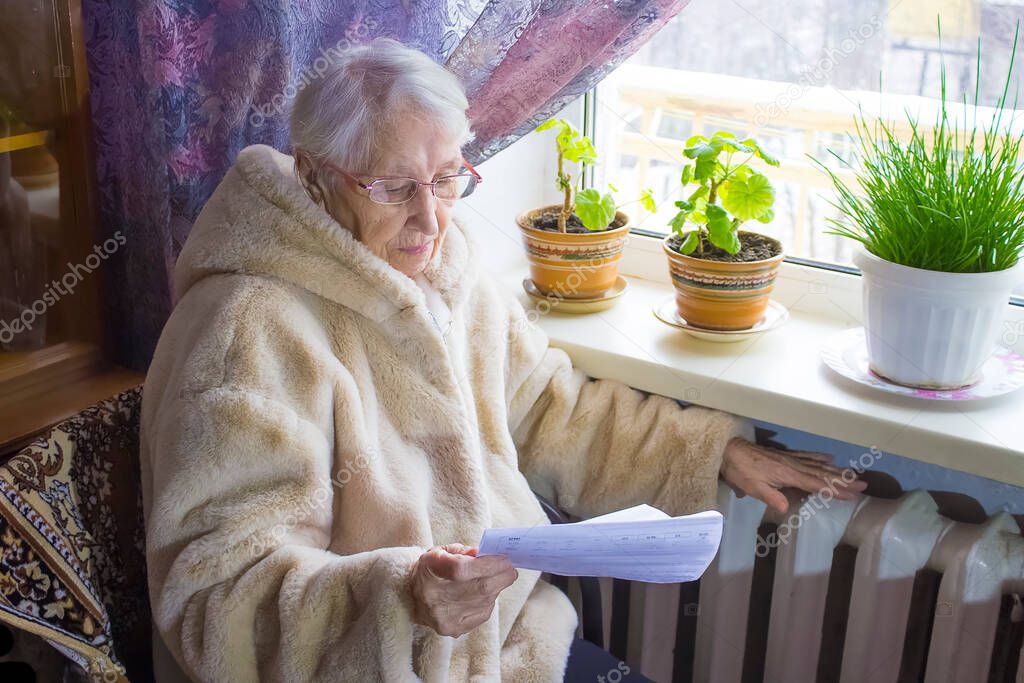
(779, 377)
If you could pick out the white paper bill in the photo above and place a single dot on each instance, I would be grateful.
(640, 543)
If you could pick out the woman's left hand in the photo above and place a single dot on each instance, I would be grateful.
(760, 471)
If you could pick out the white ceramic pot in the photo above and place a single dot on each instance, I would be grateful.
(931, 329)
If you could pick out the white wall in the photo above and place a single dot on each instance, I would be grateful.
(516, 179)
(911, 474)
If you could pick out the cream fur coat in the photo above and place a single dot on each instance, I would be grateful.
(307, 434)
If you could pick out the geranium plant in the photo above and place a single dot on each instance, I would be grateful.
(728, 192)
(596, 210)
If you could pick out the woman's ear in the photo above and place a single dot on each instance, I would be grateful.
(306, 173)
(303, 166)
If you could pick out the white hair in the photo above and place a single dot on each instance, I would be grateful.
(347, 114)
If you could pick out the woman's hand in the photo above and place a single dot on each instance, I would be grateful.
(454, 590)
(761, 471)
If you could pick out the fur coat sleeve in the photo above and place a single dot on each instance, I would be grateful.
(595, 445)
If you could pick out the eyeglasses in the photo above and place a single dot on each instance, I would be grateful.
(399, 189)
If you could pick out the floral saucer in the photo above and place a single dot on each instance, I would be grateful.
(847, 354)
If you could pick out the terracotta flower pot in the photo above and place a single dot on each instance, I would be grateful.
(572, 265)
(722, 295)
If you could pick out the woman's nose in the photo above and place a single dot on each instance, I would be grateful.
(423, 207)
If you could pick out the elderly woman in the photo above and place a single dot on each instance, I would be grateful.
(342, 402)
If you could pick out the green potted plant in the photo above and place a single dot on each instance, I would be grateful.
(940, 223)
(574, 247)
(722, 275)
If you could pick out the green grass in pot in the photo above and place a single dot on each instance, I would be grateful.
(951, 201)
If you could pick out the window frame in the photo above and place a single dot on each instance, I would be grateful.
(640, 262)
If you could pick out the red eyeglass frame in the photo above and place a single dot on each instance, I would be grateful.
(366, 186)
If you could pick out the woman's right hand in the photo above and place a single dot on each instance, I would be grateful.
(454, 590)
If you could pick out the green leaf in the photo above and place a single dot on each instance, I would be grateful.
(760, 153)
(565, 139)
(678, 221)
(580, 150)
(704, 150)
(687, 174)
(690, 243)
(767, 217)
(730, 143)
(741, 172)
(705, 168)
(733, 146)
(718, 219)
(694, 139)
(595, 210)
(700, 193)
(730, 242)
(573, 146)
(684, 205)
(647, 200)
(566, 129)
(720, 229)
(749, 198)
(550, 123)
(612, 188)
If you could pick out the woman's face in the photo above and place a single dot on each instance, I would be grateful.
(407, 235)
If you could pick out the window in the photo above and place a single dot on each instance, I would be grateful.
(792, 75)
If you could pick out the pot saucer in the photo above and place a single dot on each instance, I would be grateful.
(774, 315)
(847, 354)
(588, 305)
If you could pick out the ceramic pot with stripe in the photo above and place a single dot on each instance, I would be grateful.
(572, 265)
(722, 295)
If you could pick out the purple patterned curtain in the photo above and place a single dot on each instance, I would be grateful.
(179, 87)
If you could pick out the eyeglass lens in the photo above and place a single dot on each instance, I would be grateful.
(398, 190)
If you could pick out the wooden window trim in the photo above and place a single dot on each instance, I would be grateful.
(50, 385)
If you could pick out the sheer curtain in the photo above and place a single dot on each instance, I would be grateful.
(178, 88)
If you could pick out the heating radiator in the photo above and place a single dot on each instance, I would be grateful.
(877, 589)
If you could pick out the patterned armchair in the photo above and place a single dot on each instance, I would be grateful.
(68, 502)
